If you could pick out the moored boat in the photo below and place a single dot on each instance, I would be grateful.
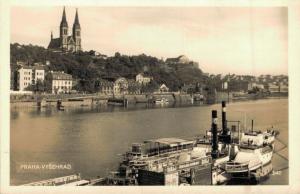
(162, 101)
(253, 159)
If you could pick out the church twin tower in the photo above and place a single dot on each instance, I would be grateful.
(66, 43)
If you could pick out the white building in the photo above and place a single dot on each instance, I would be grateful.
(253, 85)
(38, 74)
(28, 75)
(121, 86)
(225, 85)
(142, 79)
(60, 82)
(163, 88)
(24, 77)
(273, 88)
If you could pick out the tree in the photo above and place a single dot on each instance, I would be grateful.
(86, 68)
(151, 87)
(47, 86)
(39, 86)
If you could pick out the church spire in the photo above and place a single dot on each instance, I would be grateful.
(64, 19)
(76, 21)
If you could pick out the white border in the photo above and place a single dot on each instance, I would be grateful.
(294, 97)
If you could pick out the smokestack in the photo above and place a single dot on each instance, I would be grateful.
(224, 136)
(224, 121)
(214, 130)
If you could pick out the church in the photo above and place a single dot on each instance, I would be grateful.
(66, 42)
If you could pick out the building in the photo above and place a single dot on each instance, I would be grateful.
(225, 85)
(253, 85)
(278, 88)
(133, 87)
(273, 88)
(24, 78)
(60, 82)
(106, 87)
(38, 74)
(283, 88)
(121, 86)
(163, 88)
(180, 59)
(29, 75)
(143, 79)
(66, 42)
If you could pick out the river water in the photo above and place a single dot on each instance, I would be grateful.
(89, 140)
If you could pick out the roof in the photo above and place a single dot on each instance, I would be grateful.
(170, 141)
(64, 19)
(54, 43)
(177, 59)
(70, 39)
(106, 83)
(163, 86)
(39, 68)
(26, 67)
(76, 21)
(60, 76)
(144, 74)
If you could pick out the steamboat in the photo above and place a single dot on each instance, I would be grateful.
(212, 159)
(254, 158)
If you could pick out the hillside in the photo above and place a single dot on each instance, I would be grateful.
(89, 69)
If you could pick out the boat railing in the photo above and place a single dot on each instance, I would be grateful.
(187, 164)
(236, 167)
(56, 181)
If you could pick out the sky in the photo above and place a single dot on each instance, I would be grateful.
(239, 40)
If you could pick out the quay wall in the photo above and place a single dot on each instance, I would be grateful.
(72, 100)
(24, 104)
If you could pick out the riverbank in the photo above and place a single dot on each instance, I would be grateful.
(80, 100)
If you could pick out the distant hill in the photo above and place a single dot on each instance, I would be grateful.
(87, 67)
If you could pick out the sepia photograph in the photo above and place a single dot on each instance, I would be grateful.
(148, 96)
(103, 96)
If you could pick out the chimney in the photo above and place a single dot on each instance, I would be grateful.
(214, 130)
(224, 136)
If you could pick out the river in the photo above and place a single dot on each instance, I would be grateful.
(89, 140)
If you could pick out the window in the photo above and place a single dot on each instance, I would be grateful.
(77, 33)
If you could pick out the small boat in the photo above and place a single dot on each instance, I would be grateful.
(162, 101)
